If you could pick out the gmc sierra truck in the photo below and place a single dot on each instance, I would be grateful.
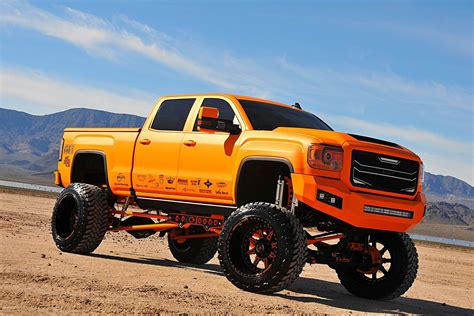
(268, 186)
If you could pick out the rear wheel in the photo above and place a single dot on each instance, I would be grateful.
(192, 250)
(262, 248)
(80, 218)
(392, 272)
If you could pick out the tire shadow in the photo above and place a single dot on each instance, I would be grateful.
(318, 291)
(207, 268)
(333, 294)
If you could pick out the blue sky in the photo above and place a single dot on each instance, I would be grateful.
(401, 71)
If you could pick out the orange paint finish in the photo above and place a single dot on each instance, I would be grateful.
(202, 166)
(352, 212)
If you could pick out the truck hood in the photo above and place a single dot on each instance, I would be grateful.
(327, 137)
(338, 139)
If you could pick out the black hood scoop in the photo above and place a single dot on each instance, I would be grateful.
(375, 140)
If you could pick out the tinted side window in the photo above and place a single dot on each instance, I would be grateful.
(225, 111)
(172, 115)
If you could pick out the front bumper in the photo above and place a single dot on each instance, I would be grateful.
(305, 188)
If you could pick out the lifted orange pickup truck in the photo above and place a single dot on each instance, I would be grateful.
(265, 184)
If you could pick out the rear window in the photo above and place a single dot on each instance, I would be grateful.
(267, 116)
(172, 115)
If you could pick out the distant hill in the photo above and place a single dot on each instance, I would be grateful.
(29, 149)
(442, 185)
(449, 214)
(29, 144)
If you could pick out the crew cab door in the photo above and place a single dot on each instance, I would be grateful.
(158, 147)
(207, 159)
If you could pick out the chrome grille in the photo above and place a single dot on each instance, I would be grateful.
(384, 173)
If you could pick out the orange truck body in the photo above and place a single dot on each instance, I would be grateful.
(203, 168)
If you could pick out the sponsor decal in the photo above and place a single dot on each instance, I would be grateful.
(186, 189)
(221, 184)
(162, 179)
(120, 177)
(182, 181)
(208, 183)
(151, 178)
(196, 182)
(68, 149)
(205, 191)
(220, 192)
(67, 161)
(141, 177)
(170, 180)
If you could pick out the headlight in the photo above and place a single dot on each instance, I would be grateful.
(325, 157)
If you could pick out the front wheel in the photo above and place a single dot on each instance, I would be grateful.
(262, 248)
(393, 270)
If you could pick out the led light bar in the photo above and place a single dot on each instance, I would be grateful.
(387, 211)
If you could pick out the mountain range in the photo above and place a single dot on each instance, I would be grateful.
(29, 150)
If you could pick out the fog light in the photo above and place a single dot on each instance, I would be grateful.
(387, 211)
(329, 198)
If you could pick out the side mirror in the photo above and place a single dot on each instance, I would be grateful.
(209, 122)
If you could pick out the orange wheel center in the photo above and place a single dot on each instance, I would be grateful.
(376, 257)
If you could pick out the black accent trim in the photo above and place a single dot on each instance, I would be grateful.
(191, 207)
(327, 199)
(375, 140)
(384, 177)
(97, 152)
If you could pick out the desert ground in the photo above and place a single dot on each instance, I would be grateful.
(126, 275)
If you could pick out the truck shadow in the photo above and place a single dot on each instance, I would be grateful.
(333, 294)
(307, 290)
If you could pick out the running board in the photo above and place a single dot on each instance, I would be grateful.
(147, 203)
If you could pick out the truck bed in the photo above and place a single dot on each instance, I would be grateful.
(116, 145)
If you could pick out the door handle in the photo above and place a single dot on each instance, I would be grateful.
(190, 143)
(145, 141)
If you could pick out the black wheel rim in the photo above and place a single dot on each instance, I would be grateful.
(254, 246)
(67, 217)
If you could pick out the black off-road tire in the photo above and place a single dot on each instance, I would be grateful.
(400, 276)
(290, 249)
(195, 251)
(80, 218)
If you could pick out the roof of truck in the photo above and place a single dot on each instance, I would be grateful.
(242, 97)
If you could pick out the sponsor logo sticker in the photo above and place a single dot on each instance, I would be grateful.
(67, 161)
(196, 182)
(182, 181)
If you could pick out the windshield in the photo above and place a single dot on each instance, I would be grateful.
(267, 117)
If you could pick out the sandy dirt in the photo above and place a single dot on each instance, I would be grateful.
(126, 275)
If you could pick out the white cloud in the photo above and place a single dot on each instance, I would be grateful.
(98, 36)
(385, 87)
(408, 134)
(442, 38)
(33, 88)
(354, 91)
